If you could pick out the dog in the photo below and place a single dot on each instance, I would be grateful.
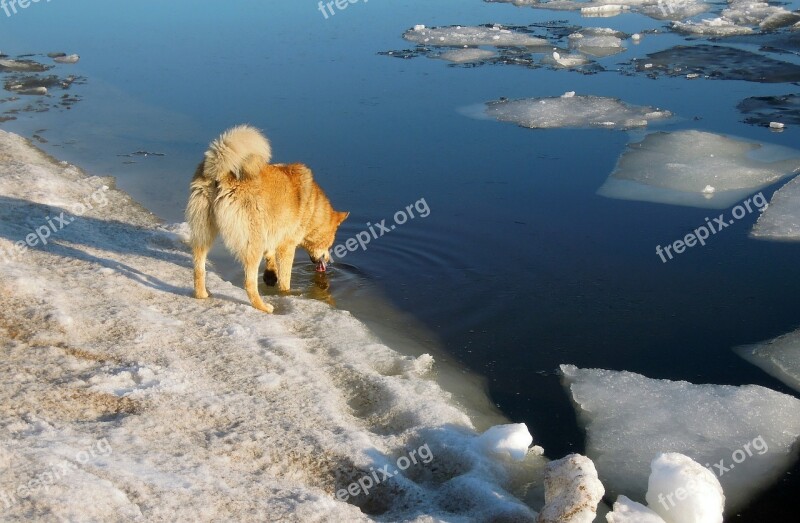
(261, 210)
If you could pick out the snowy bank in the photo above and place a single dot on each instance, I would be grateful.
(123, 398)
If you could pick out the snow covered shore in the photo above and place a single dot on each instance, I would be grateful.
(123, 398)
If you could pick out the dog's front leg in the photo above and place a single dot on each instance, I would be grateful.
(285, 259)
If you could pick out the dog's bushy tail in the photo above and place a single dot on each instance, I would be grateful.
(241, 151)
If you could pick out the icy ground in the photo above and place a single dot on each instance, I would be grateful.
(122, 398)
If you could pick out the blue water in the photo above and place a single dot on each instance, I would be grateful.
(520, 266)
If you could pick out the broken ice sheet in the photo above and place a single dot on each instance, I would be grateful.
(780, 221)
(762, 110)
(779, 357)
(570, 111)
(490, 35)
(658, 9)
(679, 168)
(719, 63)
(630, 419)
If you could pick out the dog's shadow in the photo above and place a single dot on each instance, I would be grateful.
(74, 236)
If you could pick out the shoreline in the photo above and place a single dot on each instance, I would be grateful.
(105, 343)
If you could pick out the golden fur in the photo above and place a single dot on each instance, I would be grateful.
(261, 210)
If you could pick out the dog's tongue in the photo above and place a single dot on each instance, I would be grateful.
(321, 267)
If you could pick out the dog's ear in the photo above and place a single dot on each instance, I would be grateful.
(342, 216)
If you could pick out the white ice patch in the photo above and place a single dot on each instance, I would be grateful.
(507, 440)
(676, 168)
(468, 55)
(747, 435)
(628, 511)
(781, 219)
(557, 59)
(574, 112)
(473, 36)
(681, 490)
(712, 27)
(779, 357)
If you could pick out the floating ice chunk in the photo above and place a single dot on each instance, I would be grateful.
(712, 27)
(677, 168)
(769, 110)
(23, 66)
(674, 9)
(776, 125)
(571, 60)
(597, 41)
(480, 35)
(568, 94)
(628, 511)
(419, 27)
(462, 56)
(604, 10)
(636, 37)
(572, 491)
(511, 440)
(630, 419)
(779, 357)
(574, 112)
(781, 220)
(67, 59)
(709, 189)
(681, 490)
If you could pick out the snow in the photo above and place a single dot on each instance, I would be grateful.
(571, 487)
(741, 17)
(779, 357)
(677, 168)
(628, 511)
(781, 219)
(631, 419)
(576, 111)
(459, 36)
(681, 490)
(461, 56)
(508, 440)
(206, 410)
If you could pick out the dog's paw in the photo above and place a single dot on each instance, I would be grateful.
(202, 295)
(270, 278)
(266, 307)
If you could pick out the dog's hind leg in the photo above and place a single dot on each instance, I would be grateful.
(285, 259)
(251, 263)
(200, 255)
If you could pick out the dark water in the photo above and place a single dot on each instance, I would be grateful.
(520, 266)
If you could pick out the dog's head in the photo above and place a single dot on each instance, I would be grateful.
(319, 239)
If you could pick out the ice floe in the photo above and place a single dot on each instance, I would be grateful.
(747, 436)
(765, 110)
(718, 63)
(454, 36)
(571, 111)
(781, 220)
(597, 41)
(779, 357)
(697, 169)
(467, 55)
(658, 9)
